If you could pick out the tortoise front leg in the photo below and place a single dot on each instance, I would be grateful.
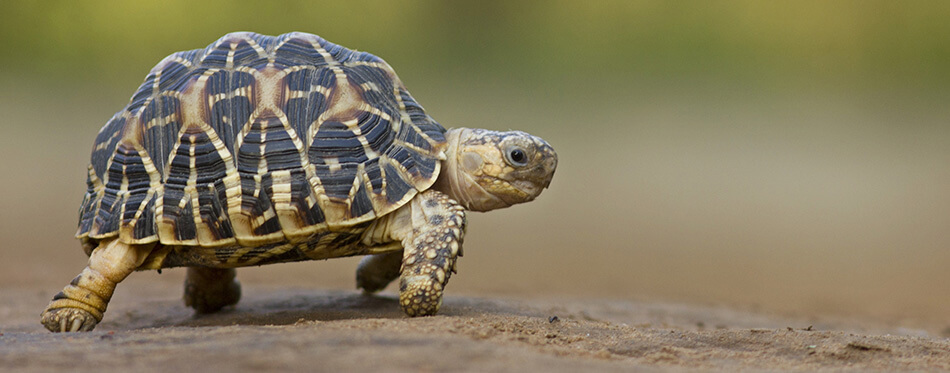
(81, 304)
(209, 290)
(430, 252)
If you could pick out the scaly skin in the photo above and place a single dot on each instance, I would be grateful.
(429, 255)
(430, 229)
(480, 173)
(81, 304)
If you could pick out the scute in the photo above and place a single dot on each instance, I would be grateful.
(257, 140)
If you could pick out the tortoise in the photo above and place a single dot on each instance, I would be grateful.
(261, 149)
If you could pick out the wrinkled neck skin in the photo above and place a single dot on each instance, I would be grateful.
(478, 176)
(461, 186)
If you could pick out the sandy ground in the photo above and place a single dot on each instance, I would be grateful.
(279, 329)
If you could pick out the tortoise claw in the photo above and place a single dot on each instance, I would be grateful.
(68, 320)
(420, 296)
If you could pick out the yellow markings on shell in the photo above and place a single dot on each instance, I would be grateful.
(231, 180)
(94, 229)
(354, 126)
(161, 121)
(229, 62)
(333, 163)
(97, 186)
(157, 79)
(405, 119)
(318, 250)
(235, 257)
(382, 175)
(362, 178)
(267, 215)
(259, 220)
(380, 65)
(382, 114)
(379, 201)
(403, 114)
(345, 100)
(243, 224)
(237, 92)
(257, 48)
(191, 109)
(267, 94)
(269, 82)
(155, 187)
(260, 256)
(287, 214)
(191, 191)
(122, 195)
(298, 94)
(306, 94)
(369, 86)
(105, 143)
(315, 125)
(294, 229)
(323, 52)
(157, 70)
(282, 42)
(413, 147)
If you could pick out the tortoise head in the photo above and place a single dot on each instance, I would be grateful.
(486, 170)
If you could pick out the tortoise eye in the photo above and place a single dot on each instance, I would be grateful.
(517, 157)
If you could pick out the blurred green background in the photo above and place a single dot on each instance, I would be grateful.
(786, 155)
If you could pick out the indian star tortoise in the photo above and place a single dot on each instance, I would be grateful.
(261, 149)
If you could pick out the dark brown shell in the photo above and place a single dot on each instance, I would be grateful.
(258, 139)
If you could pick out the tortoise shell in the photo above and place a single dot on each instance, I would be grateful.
(255, 140)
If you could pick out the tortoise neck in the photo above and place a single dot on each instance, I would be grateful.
(457, 178)
(448, 180)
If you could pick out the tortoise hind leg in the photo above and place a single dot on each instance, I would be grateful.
(81, 304)
(376, 271)
(208, 290)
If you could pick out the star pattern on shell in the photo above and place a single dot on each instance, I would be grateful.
(255, 140)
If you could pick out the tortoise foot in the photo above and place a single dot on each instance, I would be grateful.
(68, 320)
(204, 301)
(420, 296)
(208, 290)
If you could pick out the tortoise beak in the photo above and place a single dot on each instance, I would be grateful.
(548, 163)
(531, 181)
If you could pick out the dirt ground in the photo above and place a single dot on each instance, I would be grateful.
(280, 329)
(719, 235)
